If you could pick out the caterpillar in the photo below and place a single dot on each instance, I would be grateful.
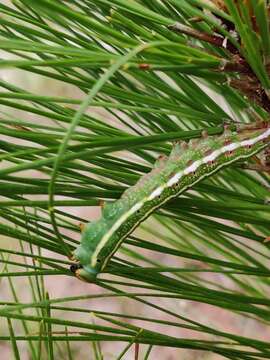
(187, 164)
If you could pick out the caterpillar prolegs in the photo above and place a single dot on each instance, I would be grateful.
(187, 164)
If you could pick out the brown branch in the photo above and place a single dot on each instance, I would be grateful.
(252, 89)
(256, 167)
(237, 64)
(247, 84)
(215, 40)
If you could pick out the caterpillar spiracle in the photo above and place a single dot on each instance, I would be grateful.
(187, 164)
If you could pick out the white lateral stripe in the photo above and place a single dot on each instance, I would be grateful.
(212, 156)
(156, 193)
(115, 226)
(192, 168)
(174, 179)
(136, 207)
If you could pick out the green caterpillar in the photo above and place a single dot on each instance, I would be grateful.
(187, 164)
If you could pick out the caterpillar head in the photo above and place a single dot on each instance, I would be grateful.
(87, 260)
(84, 272)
